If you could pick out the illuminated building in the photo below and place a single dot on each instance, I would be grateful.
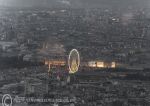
(92, 64)
(96, 64)
(113, 65)
(100, 64)
(54, 63)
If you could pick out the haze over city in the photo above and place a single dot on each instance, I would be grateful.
(74, 3)
(75, 52)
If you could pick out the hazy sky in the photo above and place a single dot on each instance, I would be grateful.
(73, 3)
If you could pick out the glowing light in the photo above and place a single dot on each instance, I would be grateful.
(49, 68)
(113, 65)
(46, 62)
(100, 64)
(55, 62)
(92, 64)
(73, 61)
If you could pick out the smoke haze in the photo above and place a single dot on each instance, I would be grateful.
(74, 3)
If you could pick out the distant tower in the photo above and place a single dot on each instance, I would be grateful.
(49, 68)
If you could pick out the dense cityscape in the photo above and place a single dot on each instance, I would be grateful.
(114, 48)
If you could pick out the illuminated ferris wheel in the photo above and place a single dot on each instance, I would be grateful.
(74, 61)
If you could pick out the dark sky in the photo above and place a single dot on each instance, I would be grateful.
(73, 3)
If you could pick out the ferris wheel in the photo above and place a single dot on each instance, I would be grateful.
(73, 61)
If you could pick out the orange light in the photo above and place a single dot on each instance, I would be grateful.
(100, 64)
(55, 63)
